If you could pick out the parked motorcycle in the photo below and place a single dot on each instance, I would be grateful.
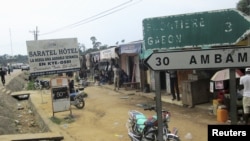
(142, 128)
(77, 98)
(83, 82)
(40, 84)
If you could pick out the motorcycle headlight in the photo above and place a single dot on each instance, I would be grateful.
(166, 116)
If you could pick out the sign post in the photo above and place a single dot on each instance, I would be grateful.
(197, 30)
(158, 105)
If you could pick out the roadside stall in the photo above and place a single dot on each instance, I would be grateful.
(219, 86)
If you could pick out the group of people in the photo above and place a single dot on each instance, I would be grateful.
(105, 76)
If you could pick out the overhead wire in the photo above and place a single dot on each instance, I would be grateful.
(104, 15)
(95, 17)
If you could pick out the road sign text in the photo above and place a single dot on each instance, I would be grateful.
(216, 58)
(219, 58)
(197, 29)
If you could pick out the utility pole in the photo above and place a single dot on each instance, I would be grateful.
(35, 32)
(11, 42)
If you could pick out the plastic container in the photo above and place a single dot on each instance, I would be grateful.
(216, 102)
(222, 114)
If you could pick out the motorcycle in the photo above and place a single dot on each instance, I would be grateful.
(142, 128)
(77, 98)
(40, 84)
(83, 82)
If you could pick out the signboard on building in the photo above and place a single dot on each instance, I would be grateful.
(131, 48)
(200, 59)
(211, 28)
(108, 53)
(53, 56)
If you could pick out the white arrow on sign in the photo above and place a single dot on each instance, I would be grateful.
(198, 59)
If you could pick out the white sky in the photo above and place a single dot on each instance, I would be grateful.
(19, 18)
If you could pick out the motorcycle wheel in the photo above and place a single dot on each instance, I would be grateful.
(47, 86)
(173, 138)
(152, 138)
(80, 103)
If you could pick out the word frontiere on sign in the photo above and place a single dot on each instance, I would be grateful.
(196, 29)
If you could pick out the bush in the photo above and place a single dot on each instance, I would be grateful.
(30, 85)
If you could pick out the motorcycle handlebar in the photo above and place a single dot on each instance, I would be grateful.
(153, 108)
(149, 108)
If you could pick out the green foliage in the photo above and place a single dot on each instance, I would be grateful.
(91, 50)
(5, 59)
(62, 121)
(77, 78)
(56, 120)
(30, 85)
(243, 6)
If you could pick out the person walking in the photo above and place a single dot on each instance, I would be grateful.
(2, 74)
(117, 72)
(245, 85)
(8, 69)
(174, 85)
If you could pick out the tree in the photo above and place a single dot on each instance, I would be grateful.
(90, 50)
(243, 6)
(103, 47)
(95, 44)
(81, 48)
(122, 41)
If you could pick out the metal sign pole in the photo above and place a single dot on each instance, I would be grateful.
(233, 97)
(42, 93)
(158, 105)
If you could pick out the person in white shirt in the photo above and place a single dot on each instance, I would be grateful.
(245, 85)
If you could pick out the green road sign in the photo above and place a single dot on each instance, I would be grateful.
(210, 28)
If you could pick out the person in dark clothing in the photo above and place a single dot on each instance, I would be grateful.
(174, 85)
(9, 70)
(71, 86)
(123, 77)
(2, 74)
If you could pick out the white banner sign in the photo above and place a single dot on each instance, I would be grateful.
(108, 53)
(53, 56)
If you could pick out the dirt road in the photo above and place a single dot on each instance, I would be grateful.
(106, 113)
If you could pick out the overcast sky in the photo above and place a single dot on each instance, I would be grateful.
(110, 21)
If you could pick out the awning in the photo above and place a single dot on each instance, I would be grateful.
(108, 53)
(145, 53)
